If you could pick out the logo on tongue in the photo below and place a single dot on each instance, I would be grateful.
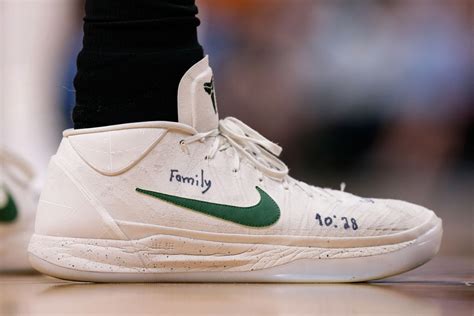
(209, 88)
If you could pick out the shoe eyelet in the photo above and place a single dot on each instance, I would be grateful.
(234, 170)
(181, 142)
(260, 179)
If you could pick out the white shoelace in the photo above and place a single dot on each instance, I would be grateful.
(261, 153)
(246, 142)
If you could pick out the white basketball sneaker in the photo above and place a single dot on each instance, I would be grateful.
(208, 200)
(18, 200)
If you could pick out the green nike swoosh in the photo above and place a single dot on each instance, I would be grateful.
(263, 214)
(9, 211)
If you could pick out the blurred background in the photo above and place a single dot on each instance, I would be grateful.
(376, 94)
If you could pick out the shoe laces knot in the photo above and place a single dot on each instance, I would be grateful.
(246, 143)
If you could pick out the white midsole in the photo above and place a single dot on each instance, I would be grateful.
(172, 258)
(164, 253)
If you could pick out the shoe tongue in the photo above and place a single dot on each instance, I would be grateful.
(197, 99)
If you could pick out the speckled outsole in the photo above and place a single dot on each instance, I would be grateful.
(158, 259)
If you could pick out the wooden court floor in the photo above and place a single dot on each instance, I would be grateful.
(445, 286)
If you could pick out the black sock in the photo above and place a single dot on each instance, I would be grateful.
(134, 55)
